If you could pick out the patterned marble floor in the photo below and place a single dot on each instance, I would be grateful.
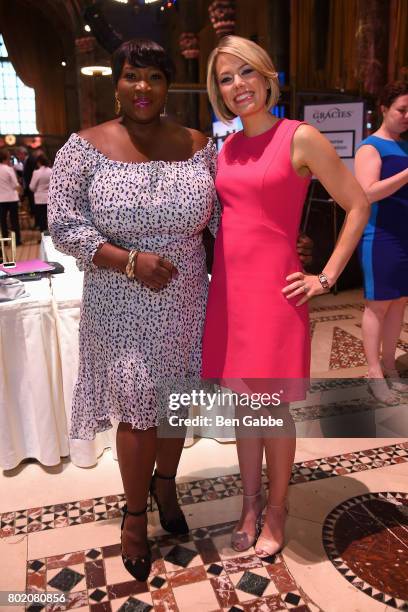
(84, 511)
(364, 537)
(337, 348)
(198, 571)
(346, 542)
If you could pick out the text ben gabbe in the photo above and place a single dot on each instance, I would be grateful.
(254, 401)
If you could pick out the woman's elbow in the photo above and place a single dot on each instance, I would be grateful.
(365, 207)
(361, 207)
(370, 196)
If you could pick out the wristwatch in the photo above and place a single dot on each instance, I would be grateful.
(324, 281)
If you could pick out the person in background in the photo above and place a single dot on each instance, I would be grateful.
(30, 164)
(9, 197)
(257, 324)
(39, 185)
(21, 155)
(381, 167)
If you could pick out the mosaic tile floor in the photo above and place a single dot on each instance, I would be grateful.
(366, 538)
(199, 571)
(102, 508)
(337, 327)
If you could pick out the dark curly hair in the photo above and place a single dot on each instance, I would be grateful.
(43, 160)
(4, 155)
(141, 53)
(392, 91)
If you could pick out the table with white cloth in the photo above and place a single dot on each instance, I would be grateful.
(38, 369)
(32, 411)
(66, 291)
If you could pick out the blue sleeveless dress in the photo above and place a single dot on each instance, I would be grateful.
(383, 249)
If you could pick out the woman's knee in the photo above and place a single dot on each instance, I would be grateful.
(378, 308)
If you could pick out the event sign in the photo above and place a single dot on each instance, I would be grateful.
(341, 123)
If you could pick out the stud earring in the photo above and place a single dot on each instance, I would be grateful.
(164, 111)
(118, 106)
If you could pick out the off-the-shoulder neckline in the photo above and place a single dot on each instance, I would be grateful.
(210, 143)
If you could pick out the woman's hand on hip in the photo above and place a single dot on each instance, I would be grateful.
(154, 271)
(306, 285)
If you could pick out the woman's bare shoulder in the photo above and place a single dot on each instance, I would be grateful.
(188, 138)
(199, 139)
(305, 133)
(99, 135)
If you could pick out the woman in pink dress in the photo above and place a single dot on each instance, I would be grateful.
(257, 327)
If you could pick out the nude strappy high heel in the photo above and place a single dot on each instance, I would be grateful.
(241, 540)
(394, 377)
(379, 389)
(266, 548)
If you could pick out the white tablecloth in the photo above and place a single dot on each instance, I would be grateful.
(32, 412)
(66, 291)
(38, 369)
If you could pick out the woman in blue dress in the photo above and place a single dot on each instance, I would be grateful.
(381, 167)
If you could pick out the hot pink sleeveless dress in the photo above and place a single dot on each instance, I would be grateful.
(252, 330)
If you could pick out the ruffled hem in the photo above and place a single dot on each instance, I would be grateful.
(104, 423)
(144, 408)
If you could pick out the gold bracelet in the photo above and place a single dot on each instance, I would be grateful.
(130, 267)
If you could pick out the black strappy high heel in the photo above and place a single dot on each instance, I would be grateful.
(176, 526)
(139, 567)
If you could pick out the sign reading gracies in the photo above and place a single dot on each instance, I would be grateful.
(341, 123)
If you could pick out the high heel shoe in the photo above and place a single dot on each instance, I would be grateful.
(379, 389)
(176, 526)
(139, 567)
(266, 548)
(241, 540)
(394, 376)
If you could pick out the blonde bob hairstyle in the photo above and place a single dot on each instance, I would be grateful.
(251, 54)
